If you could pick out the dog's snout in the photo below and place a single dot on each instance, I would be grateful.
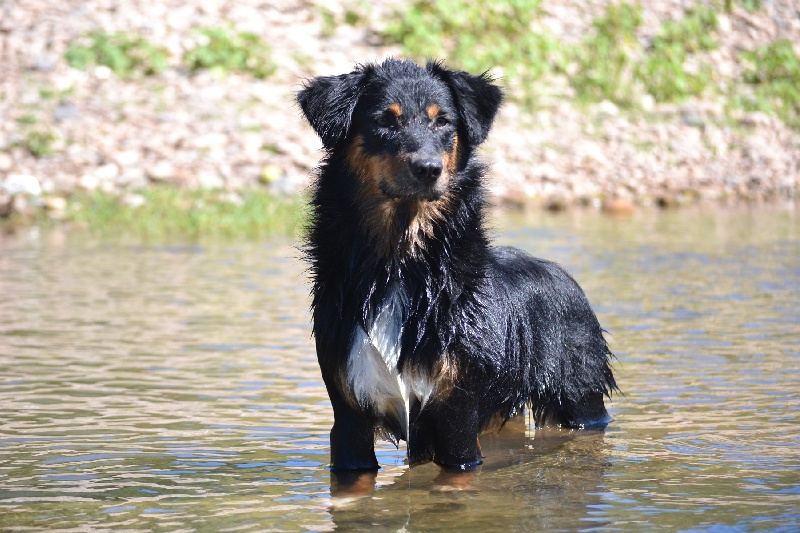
(427, 169)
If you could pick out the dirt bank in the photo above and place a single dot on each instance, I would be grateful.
(64, 129)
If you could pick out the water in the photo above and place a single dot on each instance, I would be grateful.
(175, 387)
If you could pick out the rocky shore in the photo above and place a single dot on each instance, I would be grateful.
(64, 129)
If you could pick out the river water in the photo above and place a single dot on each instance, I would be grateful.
(174, 387)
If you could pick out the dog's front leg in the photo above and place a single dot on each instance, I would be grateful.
(352, 437)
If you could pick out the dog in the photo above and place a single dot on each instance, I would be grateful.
(424, 332)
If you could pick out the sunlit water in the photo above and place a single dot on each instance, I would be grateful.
(175, 387)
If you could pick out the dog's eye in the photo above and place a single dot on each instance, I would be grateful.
(384, 120)
(440, 122)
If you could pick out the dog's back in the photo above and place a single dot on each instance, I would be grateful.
(424, 332)
(553, 328)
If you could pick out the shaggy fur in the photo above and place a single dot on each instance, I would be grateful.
(424, 331)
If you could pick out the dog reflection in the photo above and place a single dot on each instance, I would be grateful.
(544, 480)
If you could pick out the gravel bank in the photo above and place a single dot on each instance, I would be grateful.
(104, 133)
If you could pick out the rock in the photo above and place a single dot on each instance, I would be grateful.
(19, 184)
(107, 172)
(127, 158)
(66, 111)
(209, 179)
(55, 203)
(607, 108)
(134, 200)
(89, 182)
(6, 205)
(6, 162)
(161, 171)
(619, 207)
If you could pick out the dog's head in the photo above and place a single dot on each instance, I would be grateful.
(405, 130)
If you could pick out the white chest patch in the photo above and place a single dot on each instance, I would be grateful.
(372, 369)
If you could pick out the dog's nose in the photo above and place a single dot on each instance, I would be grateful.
(427, 169)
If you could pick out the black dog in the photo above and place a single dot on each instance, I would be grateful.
(425, 332)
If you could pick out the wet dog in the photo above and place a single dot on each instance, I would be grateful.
(424, 331)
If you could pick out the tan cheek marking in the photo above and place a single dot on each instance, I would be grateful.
(377, 211)
(369, 168)
(450, 159)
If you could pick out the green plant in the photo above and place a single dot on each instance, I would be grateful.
(167, 212)
(225, 50)
(37, 139)
(663, 69)
(772, 73)
(749, 5)
(612, 64)
(477, 36)
(126, 54)
(605, 60)
(27, 119)
(694, 32)
(39, 142)
(355, 13)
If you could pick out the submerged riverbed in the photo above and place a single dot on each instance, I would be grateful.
(175, 387)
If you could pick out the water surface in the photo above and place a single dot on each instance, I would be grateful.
(175, 387)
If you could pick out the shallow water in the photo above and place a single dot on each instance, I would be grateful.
(175, 387)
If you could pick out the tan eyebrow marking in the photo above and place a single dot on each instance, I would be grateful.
(395, 109)
(433, 111)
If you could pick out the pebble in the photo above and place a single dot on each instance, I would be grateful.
(19, 184)
(66, 111)
(55, 203)
(161, 171)
(6, 162)
(89, 182)
(134, 200)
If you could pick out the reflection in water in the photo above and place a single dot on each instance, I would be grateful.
(152, 387)
(546, 480)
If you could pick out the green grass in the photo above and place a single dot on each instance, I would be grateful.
(606, 60)
(477, 36)
(130, 55)
(663, 70)
(772, 78)
(225, 50)
(614, 61)
(39, 142)
(125, 53)
(609, 64)
(614, 65)
(168, 213)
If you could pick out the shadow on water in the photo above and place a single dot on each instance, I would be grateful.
(175, 387)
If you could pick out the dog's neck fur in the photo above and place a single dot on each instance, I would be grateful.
(423, 246)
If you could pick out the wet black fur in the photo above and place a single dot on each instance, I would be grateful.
(520, 329)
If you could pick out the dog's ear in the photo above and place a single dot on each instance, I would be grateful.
(328, 102)
(477, 99)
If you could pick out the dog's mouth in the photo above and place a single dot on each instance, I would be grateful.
(402, 184)
(428, 193)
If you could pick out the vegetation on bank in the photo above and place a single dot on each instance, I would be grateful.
(167, 212)
(613, 62)
(217, 49)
